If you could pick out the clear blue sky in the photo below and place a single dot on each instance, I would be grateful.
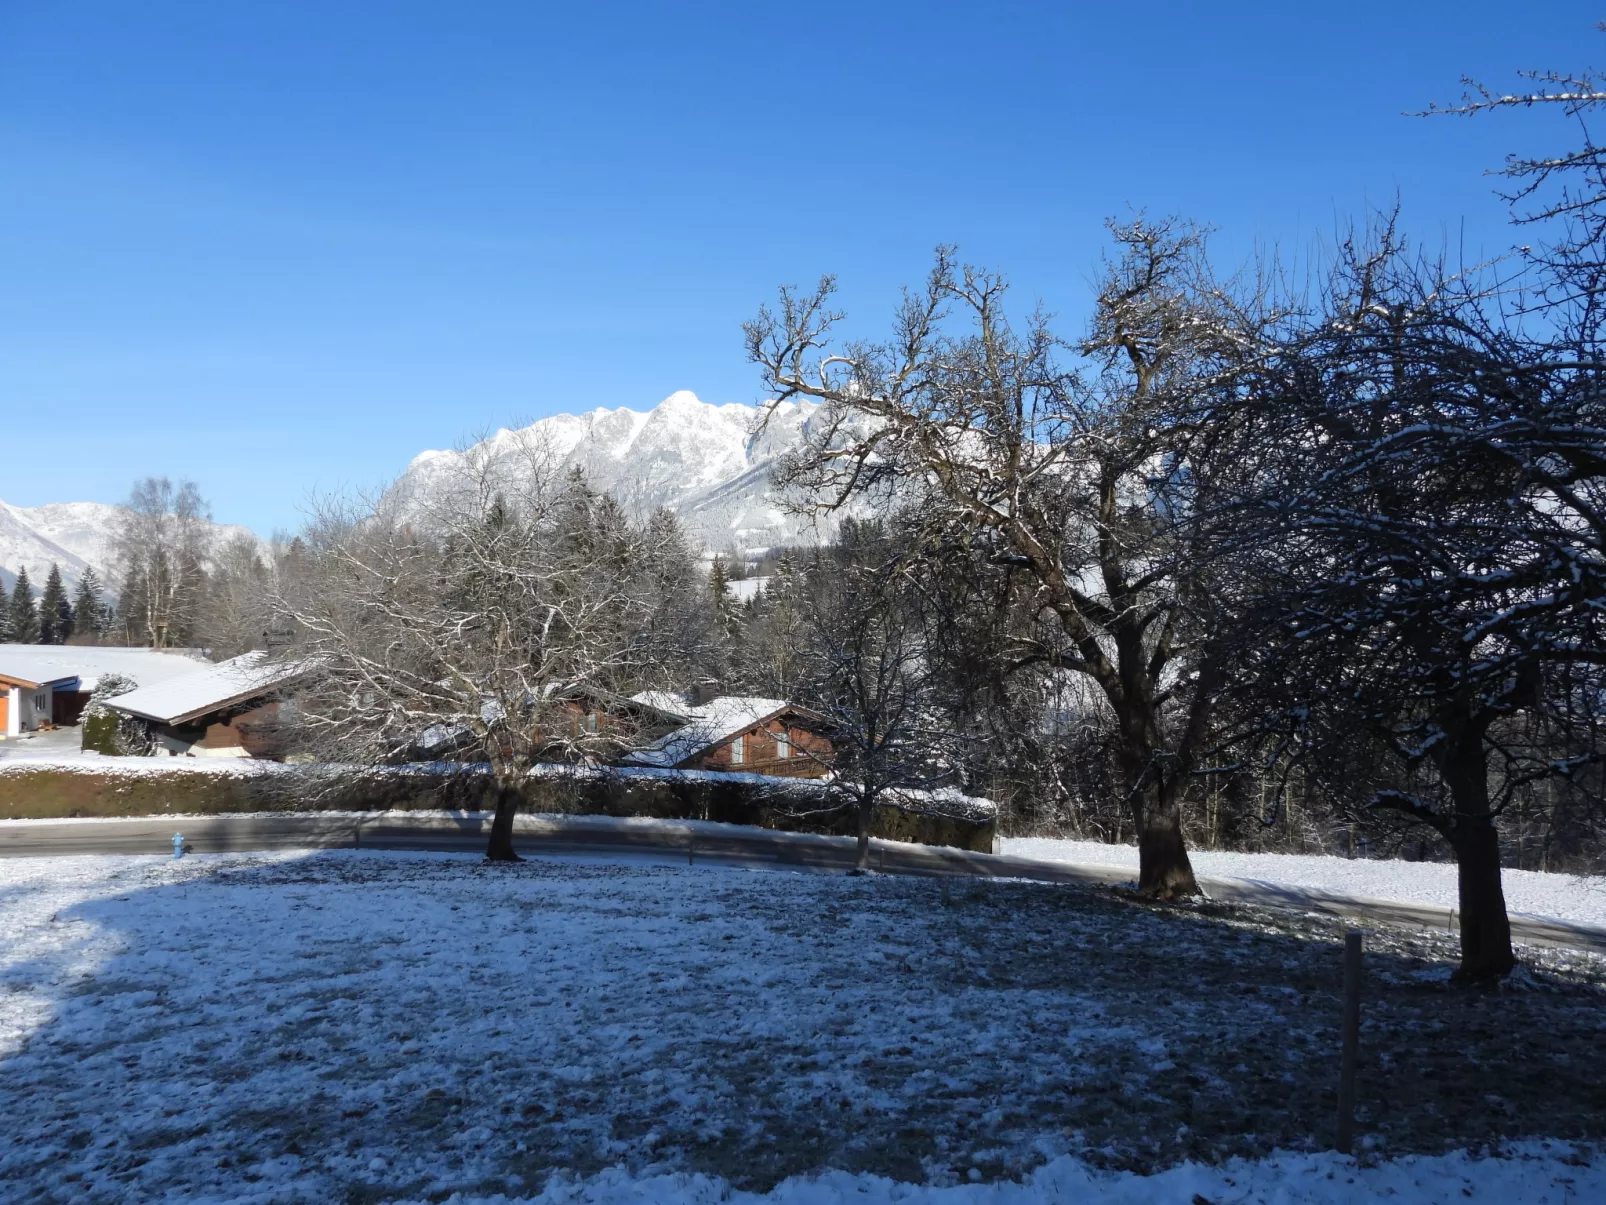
(285, 246)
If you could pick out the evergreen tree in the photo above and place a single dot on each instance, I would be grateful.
(126, 617)
(5, 616)
(55, 612)
(719, 585)
(24, 612)
(88, 611)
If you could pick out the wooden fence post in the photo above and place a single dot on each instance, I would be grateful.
(1352, 1039)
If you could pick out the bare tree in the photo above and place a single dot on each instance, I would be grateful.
(1083, 481)
(497, 613)
(161, 540)
(235, 611)
(1562, 193)
(1434, 487)
(867, 666)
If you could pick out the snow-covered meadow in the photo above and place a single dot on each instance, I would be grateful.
(1580, 898)
(365, 1026)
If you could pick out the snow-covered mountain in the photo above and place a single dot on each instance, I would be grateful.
(707, 463)
(70, 534)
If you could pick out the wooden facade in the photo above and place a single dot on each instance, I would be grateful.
(780, 746)
(250, 729)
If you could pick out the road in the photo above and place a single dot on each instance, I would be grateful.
(666, 840)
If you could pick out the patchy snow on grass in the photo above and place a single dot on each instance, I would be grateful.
(1530, 1174)
(1580, 898)
(368, 1026)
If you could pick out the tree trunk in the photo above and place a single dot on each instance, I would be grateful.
(1485, 928)
(862, 865)
(500, 847)
(1164, 871)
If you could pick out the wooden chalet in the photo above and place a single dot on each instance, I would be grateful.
(235, 708)
(584, 715)
(739, 734)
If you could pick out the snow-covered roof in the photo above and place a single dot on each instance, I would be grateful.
(710, 724)
(209, 689)
(40, 663)
(666, 701)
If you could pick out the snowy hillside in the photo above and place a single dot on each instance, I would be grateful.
(702, 461)
(70, 534)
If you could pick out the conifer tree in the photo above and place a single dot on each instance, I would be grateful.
(55, 612)
(24, 611)
(125, 618)
(88, 612)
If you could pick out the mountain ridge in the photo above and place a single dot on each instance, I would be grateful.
(72, 535)
(709, 463)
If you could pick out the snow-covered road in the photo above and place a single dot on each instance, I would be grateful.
(1579, 898)
(352, 1025)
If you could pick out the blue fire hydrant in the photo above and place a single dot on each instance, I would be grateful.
(178, 845)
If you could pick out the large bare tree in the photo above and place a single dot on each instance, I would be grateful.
(491, 614)
(235, 613)
(1434, 485)
(868, 666)
(1086, 480)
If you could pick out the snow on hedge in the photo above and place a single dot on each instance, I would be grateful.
(1579, 898)
(805, 792)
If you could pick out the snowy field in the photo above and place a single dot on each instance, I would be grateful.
(1580, 898)
(366, 1027)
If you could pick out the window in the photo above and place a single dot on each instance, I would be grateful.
(738, 751)
(783, 745)
(41, 702)
(591, 721)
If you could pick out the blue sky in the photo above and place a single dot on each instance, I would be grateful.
(284, 247)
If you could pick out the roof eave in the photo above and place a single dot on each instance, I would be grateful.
(184, 717)
(759, 722)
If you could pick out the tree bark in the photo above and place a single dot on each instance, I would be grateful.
(862, 865)
(500, 846)
(1164, 870)
(1486, 952)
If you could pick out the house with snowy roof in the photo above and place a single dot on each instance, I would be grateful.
(737, 733)
(236, 708)
(580, 710)
(44, 684)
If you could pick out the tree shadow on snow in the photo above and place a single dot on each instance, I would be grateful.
(356, 1026)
